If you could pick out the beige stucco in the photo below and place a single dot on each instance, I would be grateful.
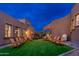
(63, 25)
(6, 19)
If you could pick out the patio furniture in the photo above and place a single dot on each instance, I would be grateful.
(21, 40)
(58, 40)
(62, 41)
(13, 42)
(54, 40)
(18, 41)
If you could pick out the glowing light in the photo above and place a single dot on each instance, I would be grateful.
(28, 33)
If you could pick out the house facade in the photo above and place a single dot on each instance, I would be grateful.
(75, 22)
(10, 28)
(68, 25)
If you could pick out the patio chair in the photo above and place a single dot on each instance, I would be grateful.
(13, 42)
(17, 40)
(20, 40)
(23, 39)
(51, 37)
(63, 38)
(54, 40)
(48, 37)
(58, 40)
(62, 41)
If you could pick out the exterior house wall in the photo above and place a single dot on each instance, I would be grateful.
(1, 28)
(74, 13)
(6, 19)
(61, 26)
(67, 24)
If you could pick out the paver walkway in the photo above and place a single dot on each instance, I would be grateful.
(73, 53)
(74, 44)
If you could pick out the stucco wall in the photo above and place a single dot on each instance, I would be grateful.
(12, 21)
(1, 28)
(74, 12)
(62, 25)
(4, 18)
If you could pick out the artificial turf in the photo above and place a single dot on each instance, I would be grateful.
(36, 48)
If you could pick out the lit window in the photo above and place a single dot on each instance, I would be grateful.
(77, 20)
(8, 30)
(17, 32)
(72, 25)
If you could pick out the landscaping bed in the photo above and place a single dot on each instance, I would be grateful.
(36, 48)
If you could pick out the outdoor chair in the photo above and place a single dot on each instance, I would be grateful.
(17, 40)
(48, 37)
(54, 40)
(51, 38)
(20, 40)
(61, 41)
(63, 38)
(13, 42)
(58, 39)
(23, 39)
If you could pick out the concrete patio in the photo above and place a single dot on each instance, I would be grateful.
(75, 52)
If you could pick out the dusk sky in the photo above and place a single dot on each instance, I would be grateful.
(38, 14)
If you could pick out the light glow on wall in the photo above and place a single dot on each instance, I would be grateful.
(77, 20)
(28, 33)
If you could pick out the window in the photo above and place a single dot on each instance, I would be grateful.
(77, 20)
(23, 32)
(73, 24)
(8, 30)
(17, 32)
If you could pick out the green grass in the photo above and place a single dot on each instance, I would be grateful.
(36, 48)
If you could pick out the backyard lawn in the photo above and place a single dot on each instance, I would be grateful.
(36, 48)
